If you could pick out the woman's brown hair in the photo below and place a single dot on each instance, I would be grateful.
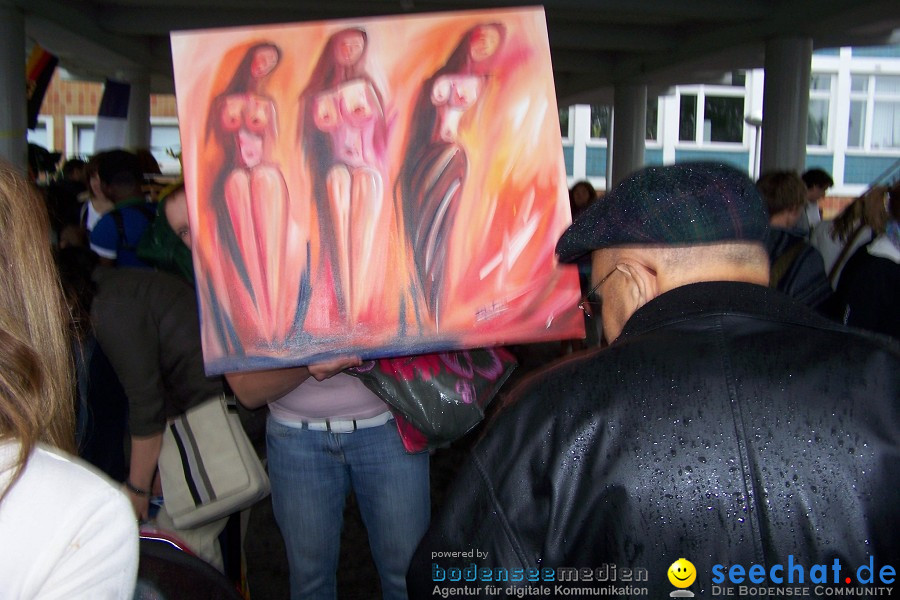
(867, 209)
(36, 381)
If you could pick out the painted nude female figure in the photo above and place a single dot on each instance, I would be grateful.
(344, 134)
(251, 193)
(435, 165)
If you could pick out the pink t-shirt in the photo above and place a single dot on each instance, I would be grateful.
(340, 397)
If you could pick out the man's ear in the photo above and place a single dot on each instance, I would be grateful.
(643, 285)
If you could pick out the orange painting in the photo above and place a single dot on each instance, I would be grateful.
(374, 187)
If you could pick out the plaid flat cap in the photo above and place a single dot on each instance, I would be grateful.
(683, 204)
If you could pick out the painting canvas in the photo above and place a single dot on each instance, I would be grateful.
(374, 187)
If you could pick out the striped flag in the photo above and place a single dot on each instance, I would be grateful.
(38, 72)
(112, 118)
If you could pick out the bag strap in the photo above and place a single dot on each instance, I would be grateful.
(844, 255)
(149, 214)
(783, 263)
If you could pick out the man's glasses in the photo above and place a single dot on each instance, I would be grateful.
(591, 302)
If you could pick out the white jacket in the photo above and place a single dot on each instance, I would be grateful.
(65, 530)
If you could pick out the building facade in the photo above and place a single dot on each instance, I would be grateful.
(853, 128)
(68, 119)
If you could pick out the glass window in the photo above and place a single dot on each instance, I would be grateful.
(819, 109)
(40, 136)
(874, 112)
(859, 83)
(687, 118)
(723, 119)
(84, 139)
(564, 122)
(886, 125)
(887, 84)
(600, 119)
(652, 119)
(857, 127)
(886, 112)
(820, 81)
(817, 126)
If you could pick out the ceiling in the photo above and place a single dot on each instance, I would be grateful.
(594, 43)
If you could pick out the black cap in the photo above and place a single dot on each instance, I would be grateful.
(689, 203)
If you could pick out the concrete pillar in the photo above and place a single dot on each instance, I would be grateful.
(581, 133)
(13, 108)
(753, 120)
(628, 131)
(137, 133)
(785, 104)
(840, 135)
(668, 106)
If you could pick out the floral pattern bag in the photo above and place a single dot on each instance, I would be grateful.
(438, 398)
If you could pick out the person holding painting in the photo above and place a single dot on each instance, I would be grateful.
(327, 434)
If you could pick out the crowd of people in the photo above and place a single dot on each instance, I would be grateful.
(737, 403)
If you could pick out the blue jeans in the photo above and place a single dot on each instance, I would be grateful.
(311, 474)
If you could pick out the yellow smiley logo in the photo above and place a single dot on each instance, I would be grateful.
(682, 573)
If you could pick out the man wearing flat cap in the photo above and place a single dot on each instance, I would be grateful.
(725, 424)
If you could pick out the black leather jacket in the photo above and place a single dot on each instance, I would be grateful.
(727, 425)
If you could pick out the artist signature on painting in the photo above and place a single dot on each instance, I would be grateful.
(491, 311)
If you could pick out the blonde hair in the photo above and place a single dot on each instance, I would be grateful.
(36, 377)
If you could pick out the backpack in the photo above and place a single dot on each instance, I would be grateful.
(162, 249)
